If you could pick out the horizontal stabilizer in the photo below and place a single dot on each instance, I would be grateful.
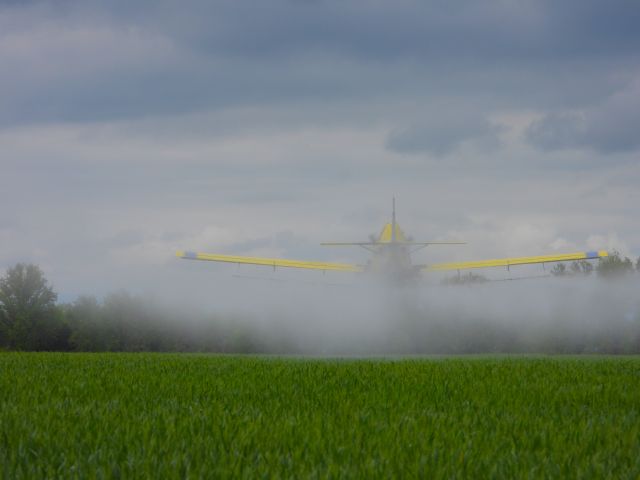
(358, 244)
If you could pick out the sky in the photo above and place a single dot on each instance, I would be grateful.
(129, 130)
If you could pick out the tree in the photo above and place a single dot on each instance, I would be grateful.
(559, 270)
(86, 319)
(29, 318)
(614, 266)
(581, 267)
(577, 268)
(465, 279)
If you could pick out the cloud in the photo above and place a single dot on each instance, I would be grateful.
(607, 128)
(557, 130)
(131, 129)
(97, 61)
(443, 134)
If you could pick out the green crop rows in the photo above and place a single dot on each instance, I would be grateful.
(191, 416)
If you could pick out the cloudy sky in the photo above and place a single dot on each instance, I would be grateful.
(131, 129)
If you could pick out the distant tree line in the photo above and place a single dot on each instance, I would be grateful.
(31, 320)
(612, 266)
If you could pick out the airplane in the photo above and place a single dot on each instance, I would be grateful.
(391, 257)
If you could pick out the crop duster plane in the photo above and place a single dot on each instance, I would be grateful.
(391, 257)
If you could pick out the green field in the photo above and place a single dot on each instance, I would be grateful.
(179, 416)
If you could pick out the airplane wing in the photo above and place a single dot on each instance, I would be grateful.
(270, 262)
(507, 262)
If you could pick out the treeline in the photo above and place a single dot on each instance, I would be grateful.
(612, 266)
(126, 323)
(32, 320)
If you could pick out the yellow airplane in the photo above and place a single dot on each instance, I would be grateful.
(391, 257)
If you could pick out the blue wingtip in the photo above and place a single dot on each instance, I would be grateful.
(190, 255)
(592, 255)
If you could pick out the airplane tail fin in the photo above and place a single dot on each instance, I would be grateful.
(391, 233)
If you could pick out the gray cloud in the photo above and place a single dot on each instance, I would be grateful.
(407, 29)
(557, 130)
(131, 129)
(98, 61)
(442, 135)
(608, 128)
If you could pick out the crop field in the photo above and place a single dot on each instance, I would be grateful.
(192, 416)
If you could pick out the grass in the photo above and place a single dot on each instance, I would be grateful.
(191, 416)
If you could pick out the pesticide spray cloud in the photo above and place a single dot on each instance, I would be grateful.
(547, 315)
